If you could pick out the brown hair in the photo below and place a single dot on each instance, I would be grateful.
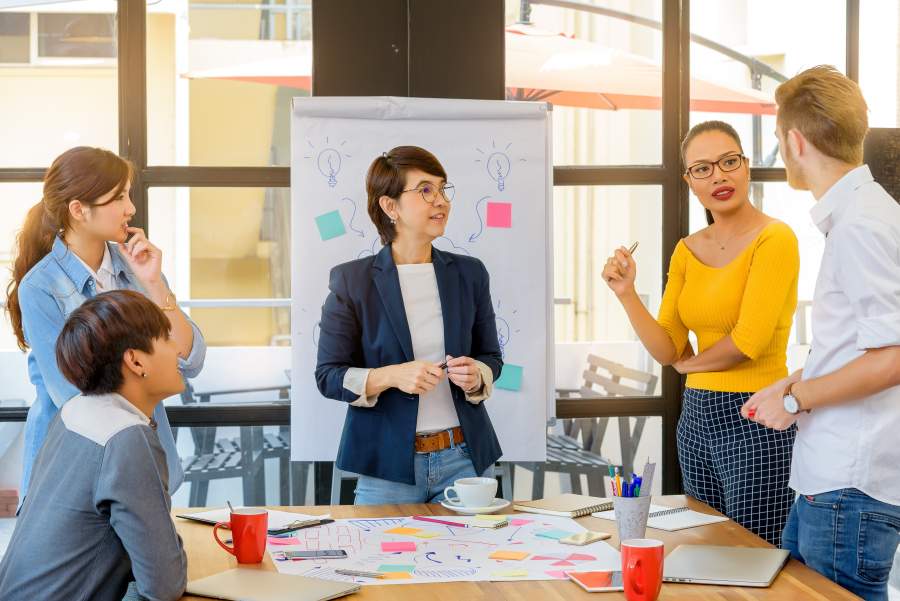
(828, 108)
(81, 173)
(92, 342)
(702, 128)
(387, 177)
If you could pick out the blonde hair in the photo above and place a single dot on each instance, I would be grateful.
(828, 109)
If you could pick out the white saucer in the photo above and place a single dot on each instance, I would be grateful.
(496, 505)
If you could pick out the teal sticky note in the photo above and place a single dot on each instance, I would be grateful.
(510, 377)
(330, 225)
(554, 534)
(391, 568)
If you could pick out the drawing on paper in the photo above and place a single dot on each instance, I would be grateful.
(328, 159)
(353, 209)
(448, 245)
(497, 164)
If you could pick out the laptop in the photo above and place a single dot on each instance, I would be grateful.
(729, 566)
(248, 584)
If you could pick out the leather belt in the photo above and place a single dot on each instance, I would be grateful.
(438, 441)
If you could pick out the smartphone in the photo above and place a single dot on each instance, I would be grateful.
(319, 554)
(598, 582)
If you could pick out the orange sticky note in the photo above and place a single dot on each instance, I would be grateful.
(513, 555)
(396, 576)
(403, 530)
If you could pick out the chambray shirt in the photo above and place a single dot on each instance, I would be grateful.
(57, 285)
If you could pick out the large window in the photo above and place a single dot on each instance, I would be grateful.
(212, 186)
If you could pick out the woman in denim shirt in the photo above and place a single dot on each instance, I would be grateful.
(74, 244)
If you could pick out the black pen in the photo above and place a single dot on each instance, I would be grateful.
(294, 526)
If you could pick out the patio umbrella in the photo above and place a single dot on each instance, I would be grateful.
(542, 65)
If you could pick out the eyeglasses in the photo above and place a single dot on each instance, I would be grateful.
(430, 192)
(726, 164)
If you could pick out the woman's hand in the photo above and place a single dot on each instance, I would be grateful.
(463, 372)
(680, 365)
(416, 377)
(620, 271)
(144, 259)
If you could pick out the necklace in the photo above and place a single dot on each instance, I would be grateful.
(722, 245)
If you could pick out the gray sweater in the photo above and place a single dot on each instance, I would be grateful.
(97, 513)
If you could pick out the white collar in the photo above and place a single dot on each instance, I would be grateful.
(831, 206)
(106, 267)
(100, 417)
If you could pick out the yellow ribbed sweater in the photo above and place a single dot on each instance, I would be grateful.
(752, 299)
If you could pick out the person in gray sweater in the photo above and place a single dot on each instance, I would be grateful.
(97, 513)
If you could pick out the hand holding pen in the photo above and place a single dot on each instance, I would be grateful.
(620, 270)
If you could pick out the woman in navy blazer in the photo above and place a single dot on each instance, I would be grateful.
(409, 341)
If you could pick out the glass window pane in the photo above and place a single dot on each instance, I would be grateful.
(602, 73)
(15, 37)
(61, 103)
(17, 199)
(740, 89)
(878, 61)
(590, 222)
(77, 35)
(225, 244)
(220, 81)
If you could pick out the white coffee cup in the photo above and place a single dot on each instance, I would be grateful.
(472, 492)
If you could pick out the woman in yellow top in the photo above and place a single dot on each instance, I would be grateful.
(734, 284)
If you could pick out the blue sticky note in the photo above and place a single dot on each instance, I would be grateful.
(510, 377)
(554, 534)
(330, 225)
(392, 568)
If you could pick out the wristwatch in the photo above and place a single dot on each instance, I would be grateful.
(791, 403)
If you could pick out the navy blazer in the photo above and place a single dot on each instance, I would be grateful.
(364, 325)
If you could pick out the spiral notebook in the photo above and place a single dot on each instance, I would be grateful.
(566, 505)
(671, 518)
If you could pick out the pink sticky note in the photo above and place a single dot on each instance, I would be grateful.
(499, 214)
(394, 547)
(291, 540)
(519, 522)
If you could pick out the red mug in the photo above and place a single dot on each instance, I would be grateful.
(642, 568)
(248, 531)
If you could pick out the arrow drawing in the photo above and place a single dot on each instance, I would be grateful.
(359, 233)
(474, 237)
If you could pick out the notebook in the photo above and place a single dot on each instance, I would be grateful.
(277, 519)
(242, 584)
(566, 505)
(671, 518)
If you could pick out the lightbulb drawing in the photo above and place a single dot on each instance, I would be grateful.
(498, 169)
(498, 164)
(328, 161)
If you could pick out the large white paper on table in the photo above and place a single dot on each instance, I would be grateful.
(497, 154)
(410, 551)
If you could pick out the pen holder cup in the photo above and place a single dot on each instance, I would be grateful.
(631, 516)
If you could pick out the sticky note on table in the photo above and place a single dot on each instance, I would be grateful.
(510, 574)
(499, 214)
(396, 576)
(394, 547)
(554, 534)
(510, 377)
(427, 534)
(330, 225)
(291, 540)
(390, 568)
(511, 555)
(402, 530)
(519, 522)
(491, 518)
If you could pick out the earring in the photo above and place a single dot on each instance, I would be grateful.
(393, 221)
(143, 374)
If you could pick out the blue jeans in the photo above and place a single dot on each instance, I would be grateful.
(434, 472)
(848, 537)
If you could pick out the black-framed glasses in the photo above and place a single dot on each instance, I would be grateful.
(430, 192)
(727, 163)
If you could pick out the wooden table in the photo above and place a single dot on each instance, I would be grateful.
(796, 582)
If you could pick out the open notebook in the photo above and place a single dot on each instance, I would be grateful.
(671, 518)
(565, 505)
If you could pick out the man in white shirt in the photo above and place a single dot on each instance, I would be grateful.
(845, 523)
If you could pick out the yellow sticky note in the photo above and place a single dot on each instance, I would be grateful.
(403, 530)
(513, 555)
(491, 518)
(396, 576)
(426, 534)
(510, 574)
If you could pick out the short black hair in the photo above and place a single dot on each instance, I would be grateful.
(387, 177)
(96, 335)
